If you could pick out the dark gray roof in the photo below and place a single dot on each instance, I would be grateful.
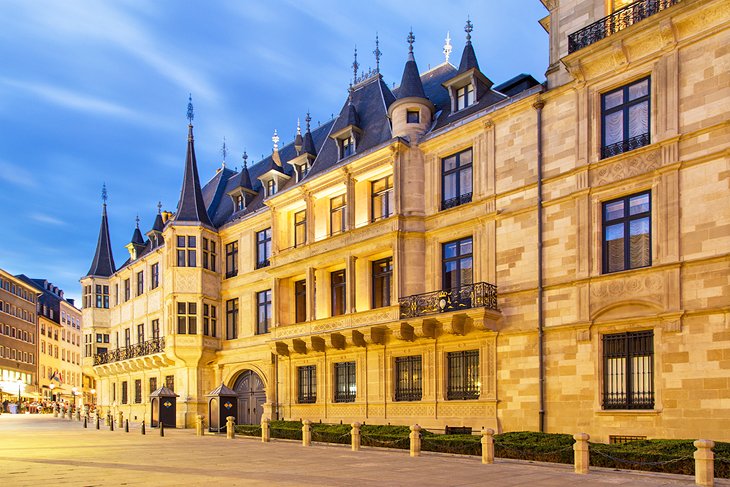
(308, 145)
(410, 83)
(103, 263)
(137, 237)
(515, 85)
(468, 59)
(163, 392)
(50, 300)
(158, 226)
(191, 207)
(222, 390)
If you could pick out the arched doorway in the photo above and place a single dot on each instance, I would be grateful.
(251, 397)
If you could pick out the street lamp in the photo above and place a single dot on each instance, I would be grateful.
(51, 387)
(20, 384)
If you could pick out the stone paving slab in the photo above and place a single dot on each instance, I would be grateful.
(42, 450)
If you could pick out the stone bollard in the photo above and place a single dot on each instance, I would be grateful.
(85, 422)
(355, 435)
(55, 411)
(415, 440)
(120, 421)
(111, 425)
(488, 446)
(78, 414)
(142, 429)
(581, 453)
(162, 428)
(107, 419)
(230, 427)
(306, 433)
(97, 421)
(126, 426)
(704, 463)
(198, 425)
(265, 430)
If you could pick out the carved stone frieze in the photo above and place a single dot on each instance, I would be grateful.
(626, 168)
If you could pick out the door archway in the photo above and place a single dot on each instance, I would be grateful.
(251, 397)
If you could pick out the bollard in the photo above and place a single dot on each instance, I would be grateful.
(85, 421)
(488, 446)
(198, 425)
(143, 431)
(306, 433)
(162, 428)
(55, 411)
(265, 431)
(107, 419)
(126, 426)
(78, 414)
(97, 421)
(230, 428)
(415, 440)
(581, 454)
(355, 435)
(120, 421)
(704, 463)
(111, 425)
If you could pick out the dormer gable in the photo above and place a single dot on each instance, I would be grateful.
(469, 84)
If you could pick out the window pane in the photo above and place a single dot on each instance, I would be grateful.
(449, 186)
(465, 246)
(638, 204)
(614, 128)
(615, 247)
(465, 157)
(613, 99)
(181, 241)
(450, 250)
(640, 243)
(638, 90)
(614, 210)
(639, 119)
(450, 163)
(465, 181)
(466, 271)
(191, 241)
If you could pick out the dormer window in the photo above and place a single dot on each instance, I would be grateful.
(239, 202)
(412, 116)
(301, 171)
(271, 187)
(464, 96)
(347, 147)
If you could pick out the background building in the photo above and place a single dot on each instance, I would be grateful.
(520, 256)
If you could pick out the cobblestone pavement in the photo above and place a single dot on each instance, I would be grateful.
(43, 450)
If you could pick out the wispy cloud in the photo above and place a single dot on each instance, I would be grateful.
(44, 218)
(16, 175)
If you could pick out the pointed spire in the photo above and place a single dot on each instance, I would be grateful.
(447, 46)
(298, 140)
(159, 225)
(191, 115)
(103, 263)
(308, 145)
(224, 151)
(468, 57)
(377, 53)
(137, 238)
(191, 207)
(410, 84)
(355, 67)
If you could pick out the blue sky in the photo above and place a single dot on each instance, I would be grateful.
(96, 91)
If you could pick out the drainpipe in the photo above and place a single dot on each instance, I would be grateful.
(538, 105)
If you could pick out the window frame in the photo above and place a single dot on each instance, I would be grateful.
(387, 277)
(625, 145)
(300, 224)
(456, 258)
(341, 211)
(263, 246)
(461, 385)
(609, 351)
(626, 221)
(300, 301)
(232, 319)
(232, 259)
(461, 197)
(408, 378)
(465, 93)
(345, 382)
(335, 289)
(155, 275)
(263, 304)
(307, 384)
(386, 195)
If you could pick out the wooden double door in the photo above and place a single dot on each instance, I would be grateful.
(251, 397)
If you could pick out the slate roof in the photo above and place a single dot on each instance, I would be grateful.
(137, 237)
(191, 207)
(222, 390)
(410, 83)
(103, 263)
(468, 59)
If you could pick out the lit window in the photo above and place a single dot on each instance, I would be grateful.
(338, 207)
(382, 198)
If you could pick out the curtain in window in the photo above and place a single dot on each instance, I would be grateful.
(639, 119)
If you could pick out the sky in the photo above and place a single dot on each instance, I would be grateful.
(95, 92)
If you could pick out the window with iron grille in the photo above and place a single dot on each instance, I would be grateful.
(170, 382)
(138, 391)
(153, 384)
(124, 392)
(463, 375)
(408, 378)
(300, 301)
(263, 248)
(155, 269)
(232, 319)
(345, 384)
(263, 315)
(300, 228)
(620, 439)
(627, 233)
(382, 274)
(187, 319)
(231, 259)
(307, 384)
(625, 118)
(628, 370)
(382, 197)
(456, 179)
(338, 284)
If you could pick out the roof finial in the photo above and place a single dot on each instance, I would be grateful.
(355, 67)
(299, 127)
(103, 193)
(245, 159)
(191, 115)
(411, 39)
(468, 28)
(307, 120)
(275, 140)
(137, 220)
(224, 150)
(447, 46)
(377, 53)
(159, 207)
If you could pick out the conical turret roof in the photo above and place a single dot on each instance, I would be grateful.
(191, 207)
(103, 263)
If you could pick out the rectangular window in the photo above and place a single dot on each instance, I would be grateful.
(408, 378)
(338, 207)
(127, 290)
(300, 301)
(456, 179)
(300, 228)
(382, 274)
(155, 329)
(628, 370)
(153, 384)
(338, 288)
(464, 96)
(186, 318)
(124, 392)
(170, 382)
(625, 118)
(209, 254)
(138, 391)
(263, 315)
(412, 116)
(127, 337)
(263, 248)
(140, 333)
(457, 264)
(210, 320)
(345, 385)
(307, 384)
(186, 251)
(231, 259)
(271, 187)
(87, 298)
(462, 375)
(346, 146)
(627, 233)
(382, 198)
(232, 319)
(140, 283)
(155, 271)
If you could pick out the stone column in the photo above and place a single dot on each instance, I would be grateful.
(306, 433)
(704, 463)
(355, 434)
(580, 453)
(488, 446)
(265, 430)
(230, 428)
(415, 440)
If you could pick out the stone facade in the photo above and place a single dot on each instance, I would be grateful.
(540, 186)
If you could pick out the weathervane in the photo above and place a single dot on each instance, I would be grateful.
(307, 120)
(137, 220)
(411, 39)
(224, 150)
(355, 66)
(468, 28)
(191, 115)
(447, 46)
(159, 207)
(245, 159)
(377, 53)
(299, 127)
(275, 140)
(103, 193)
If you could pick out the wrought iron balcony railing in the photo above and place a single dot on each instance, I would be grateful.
(617, 21)
(624, 146)
(477, 295)
(156, 345)
(453, 202)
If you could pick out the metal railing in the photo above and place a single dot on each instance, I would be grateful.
(454, 202)
(617, 21)
(156, 345)
(625, 146)
(477, 295)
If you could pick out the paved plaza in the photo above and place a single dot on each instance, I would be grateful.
(42, 450)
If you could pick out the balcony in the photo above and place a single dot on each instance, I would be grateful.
(617, 21)
(454, 202)
(624, 146)
(156, 345)
(477, 295)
